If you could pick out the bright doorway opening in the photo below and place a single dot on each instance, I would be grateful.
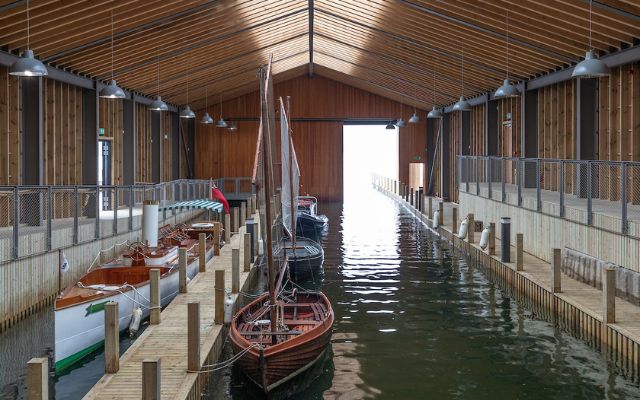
(367, 149)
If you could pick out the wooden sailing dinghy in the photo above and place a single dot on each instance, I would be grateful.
(79, 316)
(282, 333)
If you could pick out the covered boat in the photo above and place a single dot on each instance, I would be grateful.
(79, 316)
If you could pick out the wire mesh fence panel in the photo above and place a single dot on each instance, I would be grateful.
(6, 224)
(530, 184)
(63, 221)
(633, 200)
(107, 212)
(513, 178)
(606, 198)
(122, 210)
(139, 193)
(550, 182)
(87, 212)
(33, 210)
(495, 177)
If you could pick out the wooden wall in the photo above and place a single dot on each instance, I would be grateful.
(477, 131)
(143, 144)
(220, 153)
(10, 112)
(111, 121)
(166, 147)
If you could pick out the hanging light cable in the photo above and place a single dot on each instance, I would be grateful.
(507, 90)
(591, 66)
(112, 90)
(414, 118)
(158, 104)
(435, 112)
(462, 104)
(186, 111)
(28, 65)
(400, 122)
(206, 118)
(221, 123)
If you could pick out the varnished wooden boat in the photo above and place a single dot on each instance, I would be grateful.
(78, 310)
(273, 358)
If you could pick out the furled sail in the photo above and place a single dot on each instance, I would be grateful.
(290, 175)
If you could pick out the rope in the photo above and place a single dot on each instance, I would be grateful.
(226, 363)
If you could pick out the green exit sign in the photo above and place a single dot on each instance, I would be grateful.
(101, 131)
(417, 158)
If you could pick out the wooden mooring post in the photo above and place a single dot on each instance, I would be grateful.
(154, 296)
(454, 220)
(609, 295)
(38, 379)
(227, 228)
(219, 297)
(246, 253)
(236, 220)
(243, 213)
(202, 252)
(111, 338)
(519, 252)
(556, 286)
(151, 379)
(471, 229)
(430, 208)
(193, 337)
(235, 270)
(441, 210)
(182, 270)
(217, 233)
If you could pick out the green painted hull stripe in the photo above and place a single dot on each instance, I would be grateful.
(66, 363)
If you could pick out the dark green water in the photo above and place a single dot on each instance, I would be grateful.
(413, 321)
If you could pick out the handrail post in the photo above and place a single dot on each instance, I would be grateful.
(477, 159)
(538, 193)
(589, 197)
(131, 201)
(623, 199)
(468, 172)
(504, 179)
(49, 216)
(561, 188)
(16, 221)
(98, 207)
(115, 210)
(520, 174)
(490, 176)
(75, 215)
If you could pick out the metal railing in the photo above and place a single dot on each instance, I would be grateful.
(605, 194)
(38, 219)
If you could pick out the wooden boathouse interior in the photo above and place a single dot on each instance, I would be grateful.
(561, 158)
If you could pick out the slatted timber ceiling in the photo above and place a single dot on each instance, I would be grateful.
(390, 46)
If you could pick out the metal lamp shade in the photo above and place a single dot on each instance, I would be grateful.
(590, 67)
(221, 123)
(414, 119)
(158, 105)
(27, 65)
(400, 123)
(112, 91)
(462, 105)
(435, 113)
(187, 113)
(206, 119)
(233, 127)
(391, 125)
(507, 90)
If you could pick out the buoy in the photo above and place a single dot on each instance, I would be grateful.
(134, 325)
(484, 238)
(436, 218)
(228, 310)
(462, 231)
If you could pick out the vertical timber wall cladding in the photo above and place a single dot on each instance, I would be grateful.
(10, 111)
(166, 147)
(143, 144)
(111, 122)
(220, 153)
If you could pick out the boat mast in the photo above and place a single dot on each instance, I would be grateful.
(291, 199)
(266, 158)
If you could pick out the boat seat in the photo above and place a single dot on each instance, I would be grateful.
(300, 322)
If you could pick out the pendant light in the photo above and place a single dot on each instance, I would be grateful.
(414, 118)
(206, 118)
(186, 111)
(221, 123)
(435, 112)
(233, 127)
(462, 104)
(591, 66)
(112, 90)
(390, 125)
(158, 104)
(28, 65)
(400, 122)
(507, 90)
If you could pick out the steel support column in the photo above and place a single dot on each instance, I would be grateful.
(175, 146)
(156, 147)
(32, 152)
(129, 144)
(445, 158)
(530, 136)
(586, 125)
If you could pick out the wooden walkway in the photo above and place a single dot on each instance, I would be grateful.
(578, 308)
(168, 340)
